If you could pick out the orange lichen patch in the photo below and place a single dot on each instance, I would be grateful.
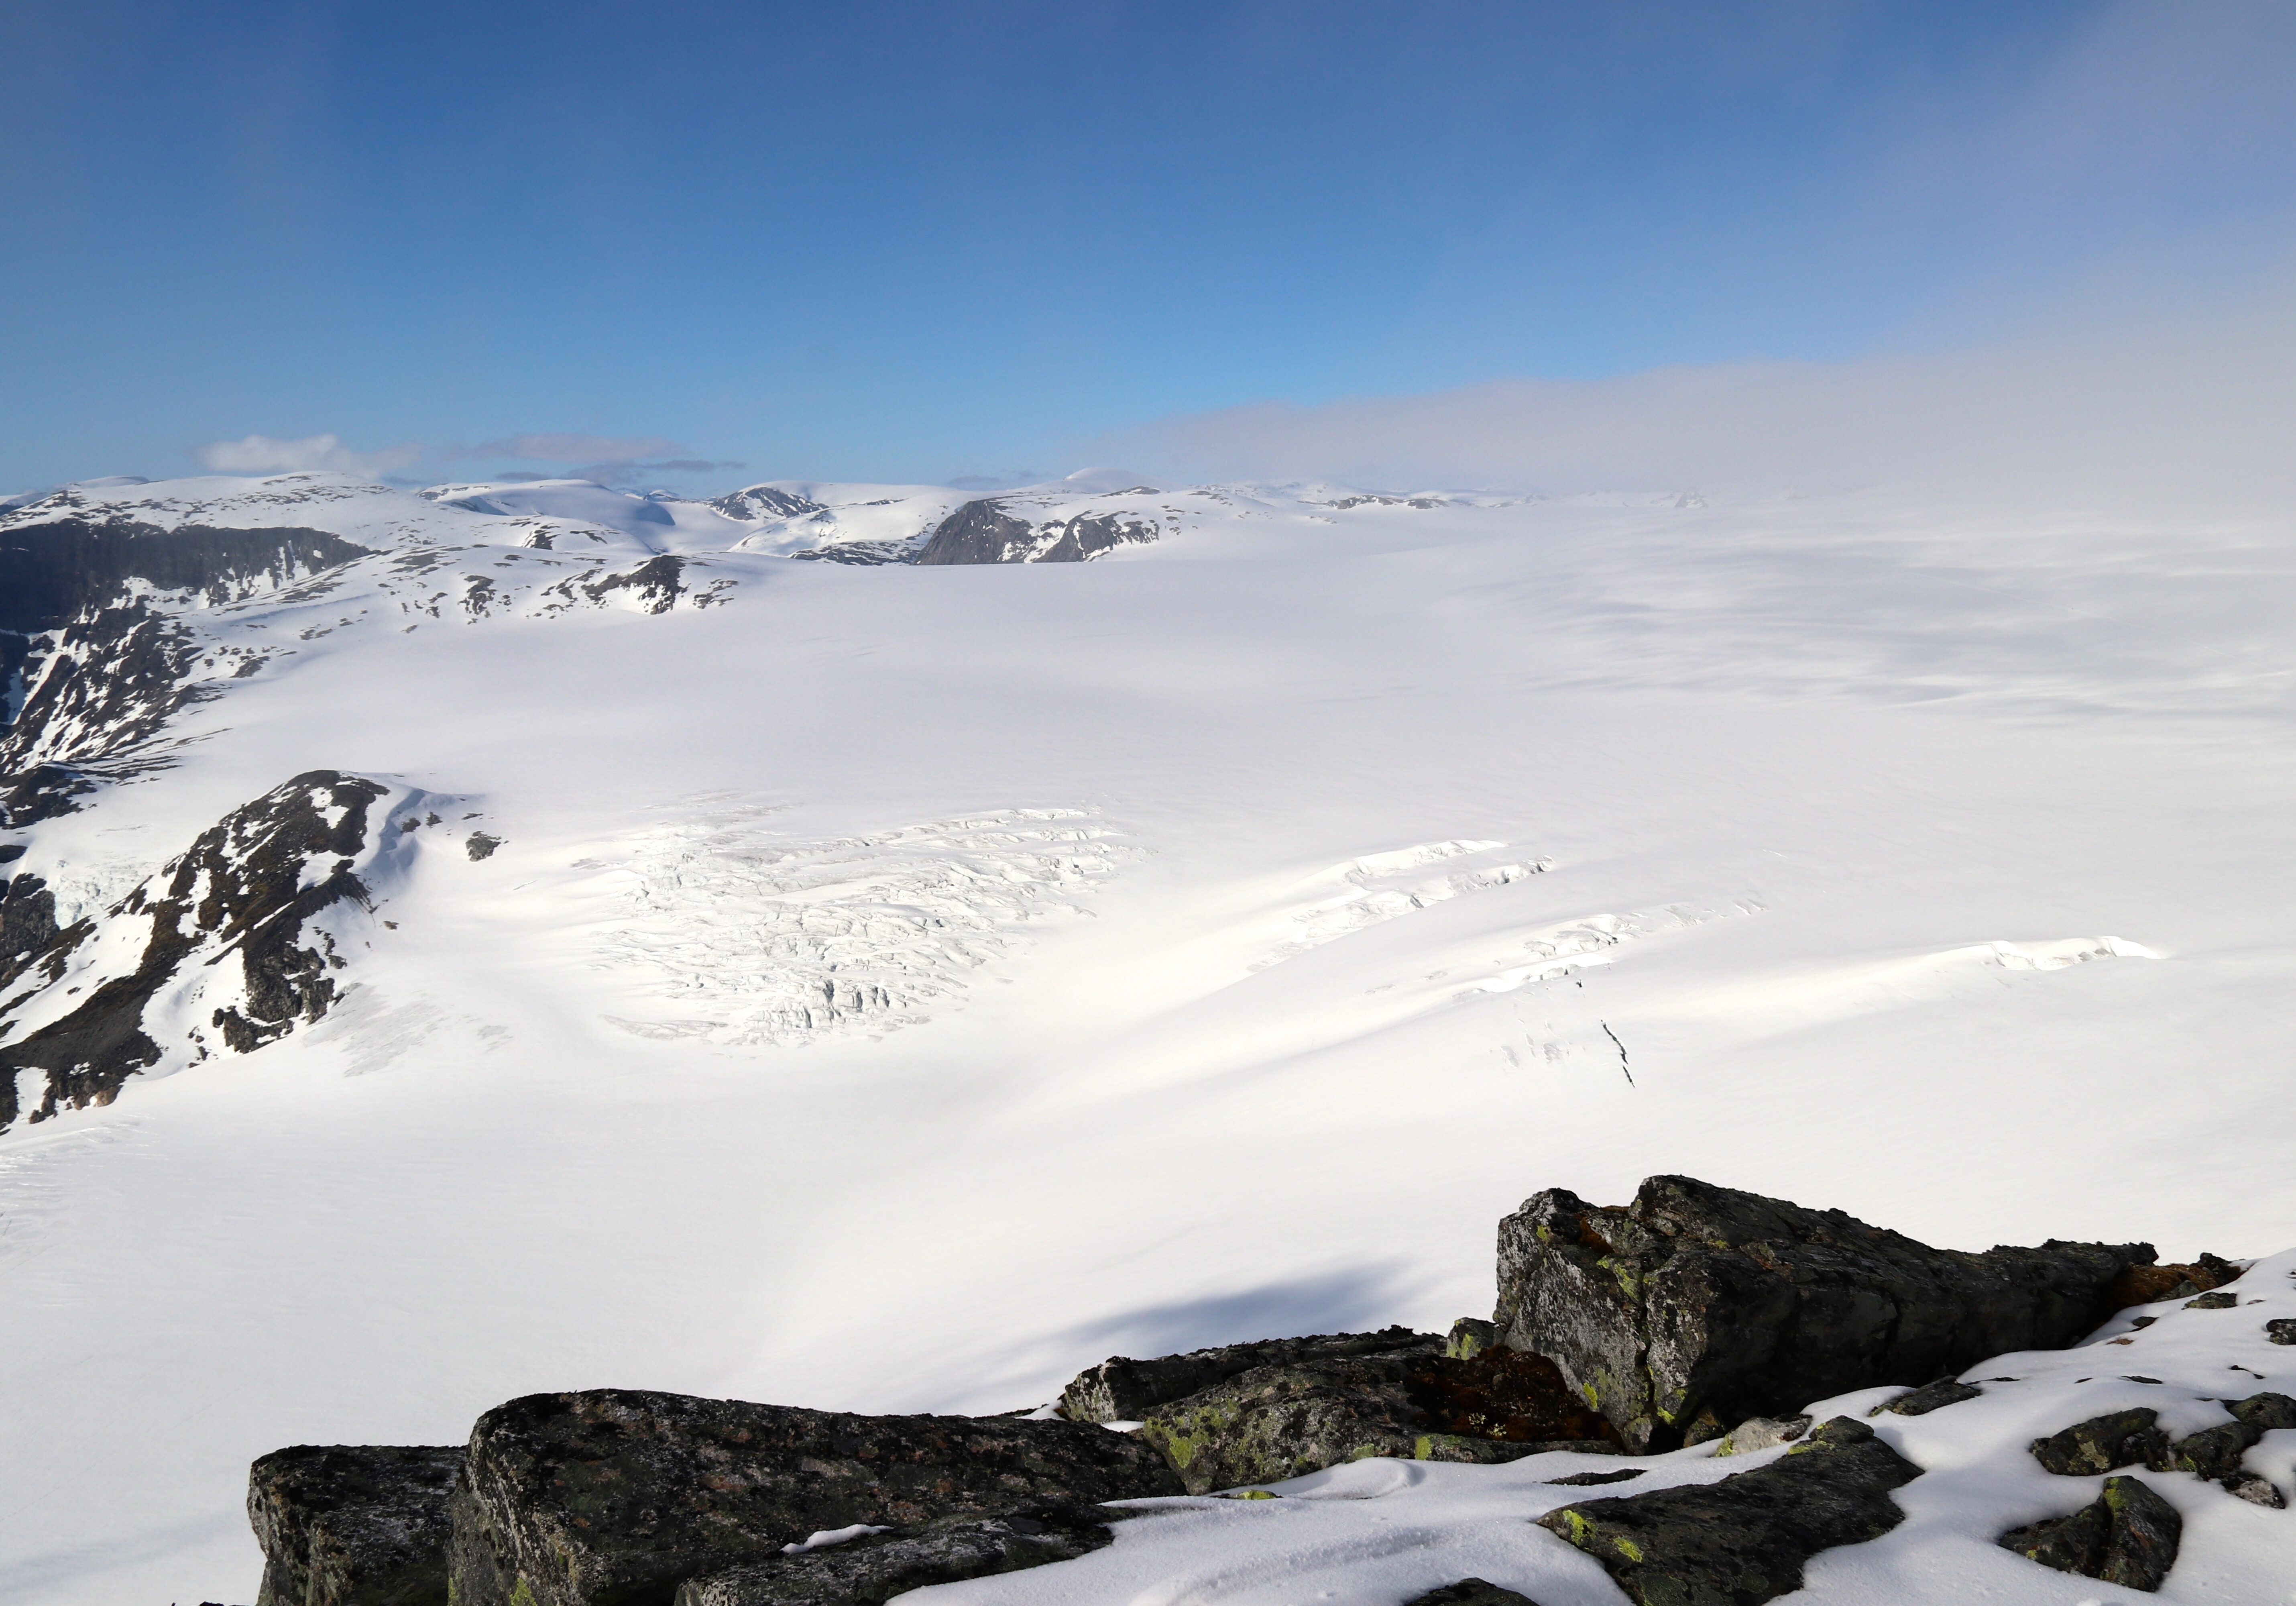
(2144, 1285)
(1506, 1394)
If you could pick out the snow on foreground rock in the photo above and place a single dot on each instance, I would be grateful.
(2154, 1456)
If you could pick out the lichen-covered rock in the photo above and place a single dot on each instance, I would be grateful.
(353, 1526)
(2281, 1329)
(1699, 1299)
(1762, 1433)
(1470, 1591)
(2265, 1411)
(1746, 1539)
(2215, 1451)
(2119, 1438)
(2222, 1301)
(618, 1496)
(1274, 1422)
(2127, 1536)
(1470, 1337)
(1929, 1397)
(876, 1568)
(1120, 1390)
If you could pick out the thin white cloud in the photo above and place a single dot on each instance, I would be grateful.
(576, 448)
(2197, 413)
(263, 455)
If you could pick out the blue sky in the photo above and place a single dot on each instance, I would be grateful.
(916, 242)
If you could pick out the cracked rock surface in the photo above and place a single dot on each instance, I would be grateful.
(615, 1496)
(1743, 1540)
(1699, 1305)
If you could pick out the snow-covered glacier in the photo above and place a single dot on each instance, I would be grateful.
(887, 947)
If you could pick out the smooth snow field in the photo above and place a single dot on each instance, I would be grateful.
(901, 987)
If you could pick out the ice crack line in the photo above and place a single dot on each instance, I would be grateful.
(1624, 1068)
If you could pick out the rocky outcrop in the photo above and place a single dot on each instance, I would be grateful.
(1273, 1422)
(96, 698)
(1929, 1397)
(1698, 1306)
(1470, 1591)
(1746, 1539)
(2128, 1536)
(251, 889)
(2119, 1438)
(1120, 1390)
(873, 1568)
(51, 568)
(654, 586)
(620, 1496)
(990, 532)
(758, 503)
(343, 1526)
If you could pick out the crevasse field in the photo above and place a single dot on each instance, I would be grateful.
(899, 987)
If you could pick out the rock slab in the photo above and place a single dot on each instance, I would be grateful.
(1120, 1390)
(878, 1567)
(1274, 1422)
(1704, 1303)
(2127, 1536)
(1746, 1539)
(353, 1526)
(615, 1497)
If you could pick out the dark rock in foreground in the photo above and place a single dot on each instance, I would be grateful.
(615, 1496)
(1703, 1302)
(2215, 1451)
(2127, 1536)
(1470, 1591)
(344, 1526)
(1274, 1422)
(875, 1568)
(1120, 1390)
(1746, 1539)
(2119, 1438)
(1929, 1397)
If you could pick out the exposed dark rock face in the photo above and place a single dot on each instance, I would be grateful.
(245, 889)
(96, 698)
(620, 1496)
(53, 569)
(2282, 1329)
(978, 533)
(875, 1568)
(1746, 1539)
(988, 532)
(1280, 1422)
(1929, 1397)
(859, 554)
(479, 846)
(762, 502)
(343, 1526)
(1703, 1302)
(2128, 1536)
(2216, 1453)
(1120, 1390)
(2119, 1438)
(655, 585)
(28, 925)
(2223, 1301)
(1470, 1591)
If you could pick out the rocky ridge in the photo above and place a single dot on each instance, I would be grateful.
(620, 1498)
(230, 946)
